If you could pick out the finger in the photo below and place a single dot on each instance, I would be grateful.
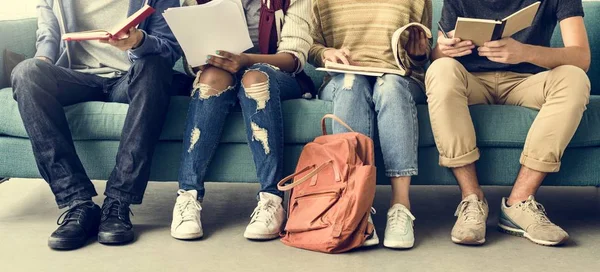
(103, 41)
(225, 54)
(462, 54)
(495, 44)
(342, 58)
(489, 49)
(454, 51)
(345, 51)
(448, 42)
(497, 59)
(490, 54)
(219, 63)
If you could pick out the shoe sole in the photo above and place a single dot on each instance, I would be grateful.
(187, 236)
(65, 244)
(521, 233)
(398, 244)
(115, 239)
(256, 236)
(468, 241)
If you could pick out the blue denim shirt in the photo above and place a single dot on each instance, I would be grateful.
(56, 17)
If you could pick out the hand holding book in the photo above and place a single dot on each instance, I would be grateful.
(454, 47)
(506, 50)
(417, 44)
(125, 41)
(341, 56)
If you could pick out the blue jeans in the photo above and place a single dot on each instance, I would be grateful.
(42, 90)
(386, 104)
(264, 129)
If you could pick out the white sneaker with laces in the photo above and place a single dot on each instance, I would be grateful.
(399, 232)
(372, 240)
(186, 223)
(267, 218)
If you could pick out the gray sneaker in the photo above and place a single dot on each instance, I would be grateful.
(528, 219)
(469, 228)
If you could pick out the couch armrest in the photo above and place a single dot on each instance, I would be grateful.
(19, 37)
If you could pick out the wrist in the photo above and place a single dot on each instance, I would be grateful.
(528, 52)
(141, 37)
(245, 60)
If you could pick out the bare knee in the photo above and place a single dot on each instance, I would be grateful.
(253, 77)
(212, 82)
(256, 86)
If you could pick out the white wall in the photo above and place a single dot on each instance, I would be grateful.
(17, 9)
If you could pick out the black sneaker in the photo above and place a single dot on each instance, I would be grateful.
(115, 226)
(78, 224)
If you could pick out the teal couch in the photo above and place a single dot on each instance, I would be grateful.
(96, 128)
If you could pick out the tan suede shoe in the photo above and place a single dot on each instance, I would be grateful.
(528, 219)
(469, 228)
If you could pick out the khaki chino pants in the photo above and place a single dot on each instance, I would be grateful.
(560, 95)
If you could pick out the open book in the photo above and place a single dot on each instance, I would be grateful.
(133, 20)
(480, 31)
(375, 71)
(203, 29)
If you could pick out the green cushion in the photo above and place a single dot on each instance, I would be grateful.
(233, 163)
(496, 126)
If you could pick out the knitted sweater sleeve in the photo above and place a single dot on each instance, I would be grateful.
(295, 34)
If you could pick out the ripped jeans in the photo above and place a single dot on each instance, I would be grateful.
(261, 108)
(387, 103)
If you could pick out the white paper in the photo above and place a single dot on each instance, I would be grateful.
(202, 30)
(337, 71)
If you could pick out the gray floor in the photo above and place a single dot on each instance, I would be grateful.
(28, 215)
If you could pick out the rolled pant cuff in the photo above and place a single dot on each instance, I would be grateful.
(541, 166)
(460, 161)
(403, 173)
(123, 197)
(81, 196)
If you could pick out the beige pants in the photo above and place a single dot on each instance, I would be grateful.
(560, 95)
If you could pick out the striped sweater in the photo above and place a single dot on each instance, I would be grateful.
(366, 28)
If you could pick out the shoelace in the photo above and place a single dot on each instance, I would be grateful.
(117, 209)
(264, 211)
(185, 209)
(398, 220)
(538, 210)
(469, 210)
(75, 213)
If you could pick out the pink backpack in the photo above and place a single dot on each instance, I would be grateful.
(332, 192)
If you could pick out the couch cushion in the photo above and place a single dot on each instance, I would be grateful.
(496, 126)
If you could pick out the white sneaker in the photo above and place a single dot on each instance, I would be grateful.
(372, 240)
(267, 218)
(186, 223)
(399, 232)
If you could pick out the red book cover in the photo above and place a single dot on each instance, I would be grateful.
(133, 20)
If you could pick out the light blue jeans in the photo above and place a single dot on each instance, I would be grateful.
(385, 104)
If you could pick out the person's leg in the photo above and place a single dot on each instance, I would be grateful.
(395, 101)
(213, 96)
(352, 97)
(450, 90)
(561, 95)
(147, 89)
(41, 91)
(263, 87)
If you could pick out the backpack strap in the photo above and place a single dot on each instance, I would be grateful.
(290, 186)
(335, 118)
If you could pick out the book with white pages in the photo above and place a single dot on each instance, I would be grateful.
(203, 29)
(397, 43)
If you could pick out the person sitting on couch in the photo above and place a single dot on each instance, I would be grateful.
(361, 35)
(523, 71)
(134, 69)
(259, 80)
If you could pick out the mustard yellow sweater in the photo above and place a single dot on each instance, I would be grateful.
(366, 28)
